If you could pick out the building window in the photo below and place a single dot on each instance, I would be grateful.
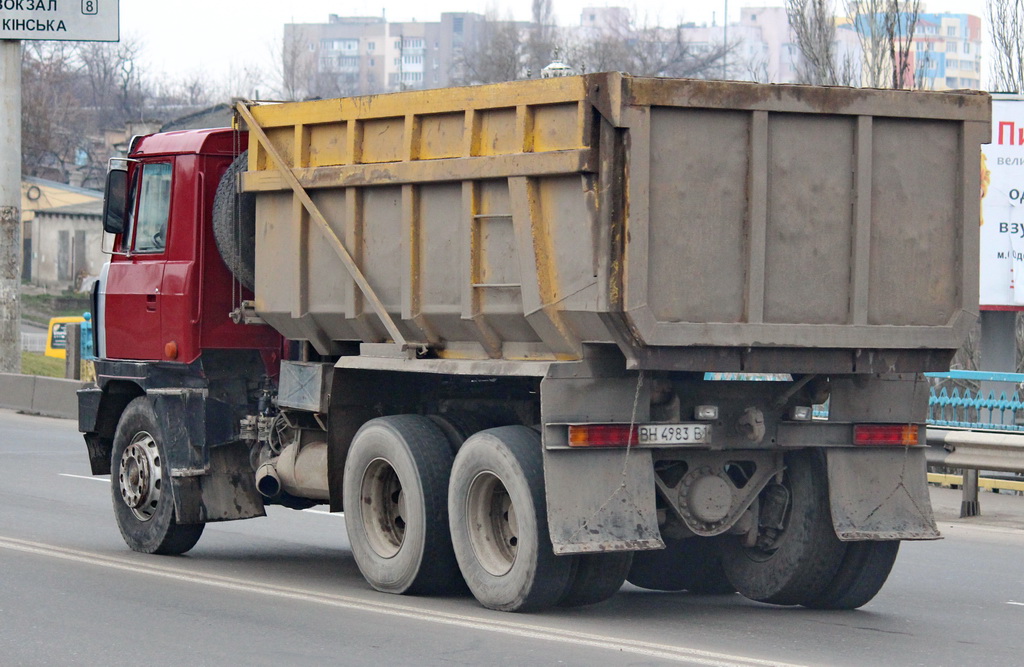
(951, 31)
(950, 47)
(457, 25)
(370, 46)
(967, 47)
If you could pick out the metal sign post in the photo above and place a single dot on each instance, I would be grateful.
(62, 20)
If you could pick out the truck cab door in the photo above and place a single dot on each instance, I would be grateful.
(135, 277)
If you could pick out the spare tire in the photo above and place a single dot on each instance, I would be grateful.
(234, 224)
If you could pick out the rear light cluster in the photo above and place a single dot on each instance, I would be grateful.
(603, 435)
(898, 435)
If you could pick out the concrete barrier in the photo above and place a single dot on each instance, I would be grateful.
(34, 394)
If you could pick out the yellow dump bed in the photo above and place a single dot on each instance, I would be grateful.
(696, 225)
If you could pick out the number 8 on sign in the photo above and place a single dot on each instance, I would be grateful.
(90, 6)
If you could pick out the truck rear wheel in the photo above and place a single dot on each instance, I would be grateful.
(861, 575)
(499, 524)
(793, 561)
(693, 564)
(140, 484)
(595, 578)
(395, 498)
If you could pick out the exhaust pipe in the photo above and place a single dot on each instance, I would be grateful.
(267, 481)
(301, 473)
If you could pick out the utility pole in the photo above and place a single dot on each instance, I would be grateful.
(10, 206)
(725, 40)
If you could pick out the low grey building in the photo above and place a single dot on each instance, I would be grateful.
(66, 245)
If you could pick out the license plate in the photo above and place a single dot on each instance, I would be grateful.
(673, 434)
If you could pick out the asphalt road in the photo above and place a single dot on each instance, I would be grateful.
(284, 590)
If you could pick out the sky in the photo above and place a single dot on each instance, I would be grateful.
(219, 38)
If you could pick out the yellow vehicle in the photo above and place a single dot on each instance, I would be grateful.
(57, 337)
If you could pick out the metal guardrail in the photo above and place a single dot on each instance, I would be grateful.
(33, 342)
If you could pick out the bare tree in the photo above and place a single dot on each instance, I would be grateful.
(295, 78)
(1006, 22)
(114, 79)
(540, 45)
(886, 31)
(813, 24)
(645, 50)
(52, 122)
(500, 54)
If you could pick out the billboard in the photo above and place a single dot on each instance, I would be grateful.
(1002, 208)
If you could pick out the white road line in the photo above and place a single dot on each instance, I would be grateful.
(1019, 604)
(101, 478)
(325, 512)
(504, 626)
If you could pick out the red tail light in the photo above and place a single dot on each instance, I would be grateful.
(602, 435)
(898, 435)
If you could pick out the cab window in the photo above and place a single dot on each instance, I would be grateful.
(149, 219)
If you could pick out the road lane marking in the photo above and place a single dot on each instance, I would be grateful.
(98, 479)
(503, 626)
(1019, 604)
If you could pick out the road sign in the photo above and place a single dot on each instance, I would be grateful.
(65, 20)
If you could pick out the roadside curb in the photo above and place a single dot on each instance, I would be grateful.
(38, 395)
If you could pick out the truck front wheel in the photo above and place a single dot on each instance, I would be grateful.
(499, 526)
(395, 497)
(140, 483)
(797, 553)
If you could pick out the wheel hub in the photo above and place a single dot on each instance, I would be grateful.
(384, 508)
(493, 526)
(141, 475)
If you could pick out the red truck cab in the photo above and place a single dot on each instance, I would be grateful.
(167, 293)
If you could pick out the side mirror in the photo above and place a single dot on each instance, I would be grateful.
(115, 197)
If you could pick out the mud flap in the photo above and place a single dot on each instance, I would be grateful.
(880, 494)
(601, 501)
(208, 483)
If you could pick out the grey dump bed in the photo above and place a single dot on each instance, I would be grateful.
(696, 225)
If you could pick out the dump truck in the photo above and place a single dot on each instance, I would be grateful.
(544, 337)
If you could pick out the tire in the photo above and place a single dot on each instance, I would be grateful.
(459, 426)
(595, 578)
(140, 485)
(806, 554)
(395, 496)
(693, 564)
(234, 224)
(861, 575)
(499, 524)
